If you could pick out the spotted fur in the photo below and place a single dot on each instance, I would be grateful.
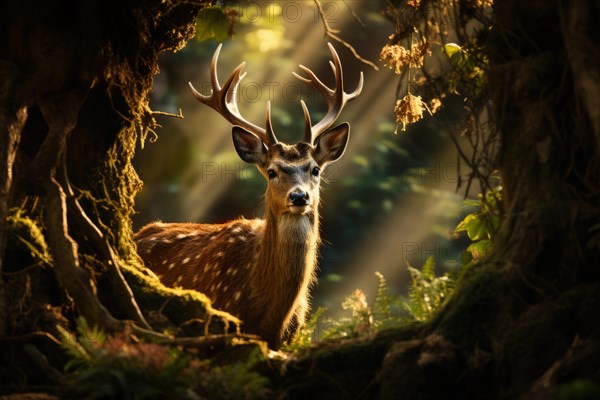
(260, 270)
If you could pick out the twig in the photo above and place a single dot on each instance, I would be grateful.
(30, 335)
(168, 114)
(332, 33)
(21, 271)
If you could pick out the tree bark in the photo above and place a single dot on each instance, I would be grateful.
(12, 120)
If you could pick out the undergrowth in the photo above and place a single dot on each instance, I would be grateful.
(116, 367)
(426, 294)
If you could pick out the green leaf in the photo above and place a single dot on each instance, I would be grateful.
(475, 227)
(452, 48)
(490, 229)
(456, 59)
(212, 23)
(462, 225)
(492, 197)
(480, 249)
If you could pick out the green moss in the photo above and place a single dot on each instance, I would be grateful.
(27, 229)
(120, 184)
(189, 310)
(466, 317)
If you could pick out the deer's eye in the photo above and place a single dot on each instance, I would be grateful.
(272, 174)
(316, 171)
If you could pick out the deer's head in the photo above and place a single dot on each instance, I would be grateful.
(292, 172)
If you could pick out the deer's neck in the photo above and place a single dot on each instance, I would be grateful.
(286, 261)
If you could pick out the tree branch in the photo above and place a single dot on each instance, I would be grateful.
(332, 33)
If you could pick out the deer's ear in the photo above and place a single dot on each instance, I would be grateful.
(248, 146)
(331, 144)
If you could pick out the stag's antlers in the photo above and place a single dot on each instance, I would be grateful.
(224, 99)
(336, 99)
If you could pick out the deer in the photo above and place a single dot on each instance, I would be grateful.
(259, 270)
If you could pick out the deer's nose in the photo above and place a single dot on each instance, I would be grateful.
(299, 198)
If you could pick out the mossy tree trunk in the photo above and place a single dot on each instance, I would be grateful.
(74, 85)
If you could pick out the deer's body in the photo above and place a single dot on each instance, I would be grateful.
(260, 270)
(267, 289)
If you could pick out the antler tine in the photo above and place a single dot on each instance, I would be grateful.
(214, 80)
(231, 97)
(271, 139)
(307, 124)
(336, 98)
(224, 100)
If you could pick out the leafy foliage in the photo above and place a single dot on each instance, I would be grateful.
(427, 292)
(235, 381)
(469, 65)
(426, 295)
(364, 319)
(441, 60)
(360, 322)
(305, 334)
(481, 225)
(212, 23)
(116, 367)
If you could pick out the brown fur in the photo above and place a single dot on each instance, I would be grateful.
(258, 270)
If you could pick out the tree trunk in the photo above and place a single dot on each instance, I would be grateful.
(74, 84)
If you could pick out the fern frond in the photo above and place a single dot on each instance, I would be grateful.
(305, 334)
(382, 305)
(428, 269)
(427, 292)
